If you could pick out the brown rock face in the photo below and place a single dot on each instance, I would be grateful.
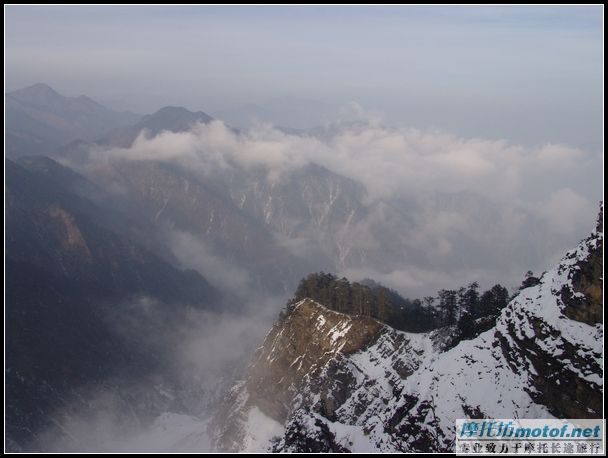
(300, 344)
(588, 280)
(68, 234)
(303, 342)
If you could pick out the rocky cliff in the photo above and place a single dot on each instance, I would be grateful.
(325, 381)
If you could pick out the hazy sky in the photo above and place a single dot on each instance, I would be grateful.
(526, 74)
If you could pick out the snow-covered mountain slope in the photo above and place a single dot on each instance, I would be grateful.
(343, 367)
(324, 381)
(536, 363)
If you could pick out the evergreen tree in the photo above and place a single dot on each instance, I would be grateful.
(493, 300)
(383, 304)
(470, 300)
(448, 304)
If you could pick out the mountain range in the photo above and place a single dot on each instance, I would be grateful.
(128, 242)
(325, 381)
(275, 228)
(39, 119)
(69, 275)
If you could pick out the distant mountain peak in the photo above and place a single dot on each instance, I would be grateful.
(39, 120)
(39, 92)
(174, 118)
(39, 87)
(169, 118)
(173, 109)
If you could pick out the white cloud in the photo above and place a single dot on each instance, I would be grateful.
(457, 200)
(567, 211)
(386, 160)
(193, 253)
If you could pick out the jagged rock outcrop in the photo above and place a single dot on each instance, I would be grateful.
(323, 363)
(324, 381)
(303, 343)
(300, 344)
(535, 363)
(584, 296)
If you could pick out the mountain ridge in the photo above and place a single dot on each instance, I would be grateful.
(402, 392)
(38, 119)
(72, 282)
(169, 118)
